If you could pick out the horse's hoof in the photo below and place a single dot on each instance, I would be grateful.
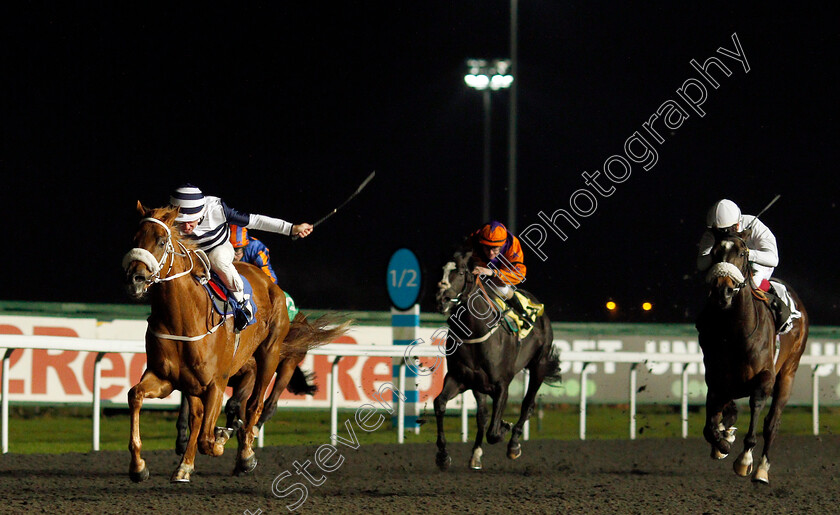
(245, 466)
(761, 477)
(139, 477)
(730, 434)
(742, 469)
(717, 455)
(475, 461)
(514, 451)
(182, 474)
(223, 434)
(762, 472)
(443, 460)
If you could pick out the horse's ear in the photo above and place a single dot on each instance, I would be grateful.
(745, 235)
(169, 217)
(142, 209)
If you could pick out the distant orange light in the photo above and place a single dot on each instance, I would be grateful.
(647, 306)
(611, 305)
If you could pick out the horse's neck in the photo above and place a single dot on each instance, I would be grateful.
(744, 311)
(464, 323)
(170, 298)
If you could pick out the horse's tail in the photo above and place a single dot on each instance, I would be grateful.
(302, 383)
(305, 334)
(553, 367)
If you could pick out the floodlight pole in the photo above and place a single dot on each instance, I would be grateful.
(487, 137)
(487, 77)
(511, 216)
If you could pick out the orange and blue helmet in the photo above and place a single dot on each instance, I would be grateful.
(493, 234)
(238, 236)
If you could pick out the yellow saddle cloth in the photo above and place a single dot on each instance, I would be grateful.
(534, 310)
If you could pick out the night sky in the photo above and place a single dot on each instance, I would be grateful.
(283, 109)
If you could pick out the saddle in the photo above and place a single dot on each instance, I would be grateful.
(223, 303)
(513, 322)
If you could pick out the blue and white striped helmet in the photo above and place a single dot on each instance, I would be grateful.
(190, 200)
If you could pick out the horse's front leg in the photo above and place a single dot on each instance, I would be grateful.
(714, 431)
(498, 427)
(481, 420)
(781, 394)
(152, 386)
(195, 414)
(451, 388)
(743, 466)
(212, 401)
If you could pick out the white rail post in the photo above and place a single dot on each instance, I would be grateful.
(261, 436)
(97, 397)
(526, 382)
(815, 399)
(684, 401)
(401, 406)
(583, 373)
(633, 374)
(5, 407)
(334, 402)
(464, 417)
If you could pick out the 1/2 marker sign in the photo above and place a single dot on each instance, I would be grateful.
(403, 279)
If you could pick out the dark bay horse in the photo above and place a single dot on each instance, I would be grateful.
(484, 357)
(191, 349)
(737, 334)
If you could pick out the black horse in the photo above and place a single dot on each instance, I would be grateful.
(484, 356)
(737, 334)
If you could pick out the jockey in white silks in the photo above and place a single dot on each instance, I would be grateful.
(763, 257)
(206, 221)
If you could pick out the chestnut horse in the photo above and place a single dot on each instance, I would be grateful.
(737, 334)
(191, 349)
(484, 357)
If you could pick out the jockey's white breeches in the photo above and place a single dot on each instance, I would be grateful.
(221, 261)
(761, 272)
(502, 288)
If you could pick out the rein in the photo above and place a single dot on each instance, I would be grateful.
(470, 282)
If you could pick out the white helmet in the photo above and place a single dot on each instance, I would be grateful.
(190, 200)
(723, 214)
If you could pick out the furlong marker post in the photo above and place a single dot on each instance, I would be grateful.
(404, 325)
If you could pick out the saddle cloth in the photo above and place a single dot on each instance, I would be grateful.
(534, 310)
(783, 294)
(223, 303)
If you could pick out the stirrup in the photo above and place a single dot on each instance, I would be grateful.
(521, 312)
(242, 317)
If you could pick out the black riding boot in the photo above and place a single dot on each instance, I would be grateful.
(514, 303)
(242, 316)
(781, 311)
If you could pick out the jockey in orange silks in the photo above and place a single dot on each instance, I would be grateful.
(498, 256)
(251, 250)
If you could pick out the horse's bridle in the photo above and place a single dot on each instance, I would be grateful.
(468, 280)
(744, 274)
(169, 254)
